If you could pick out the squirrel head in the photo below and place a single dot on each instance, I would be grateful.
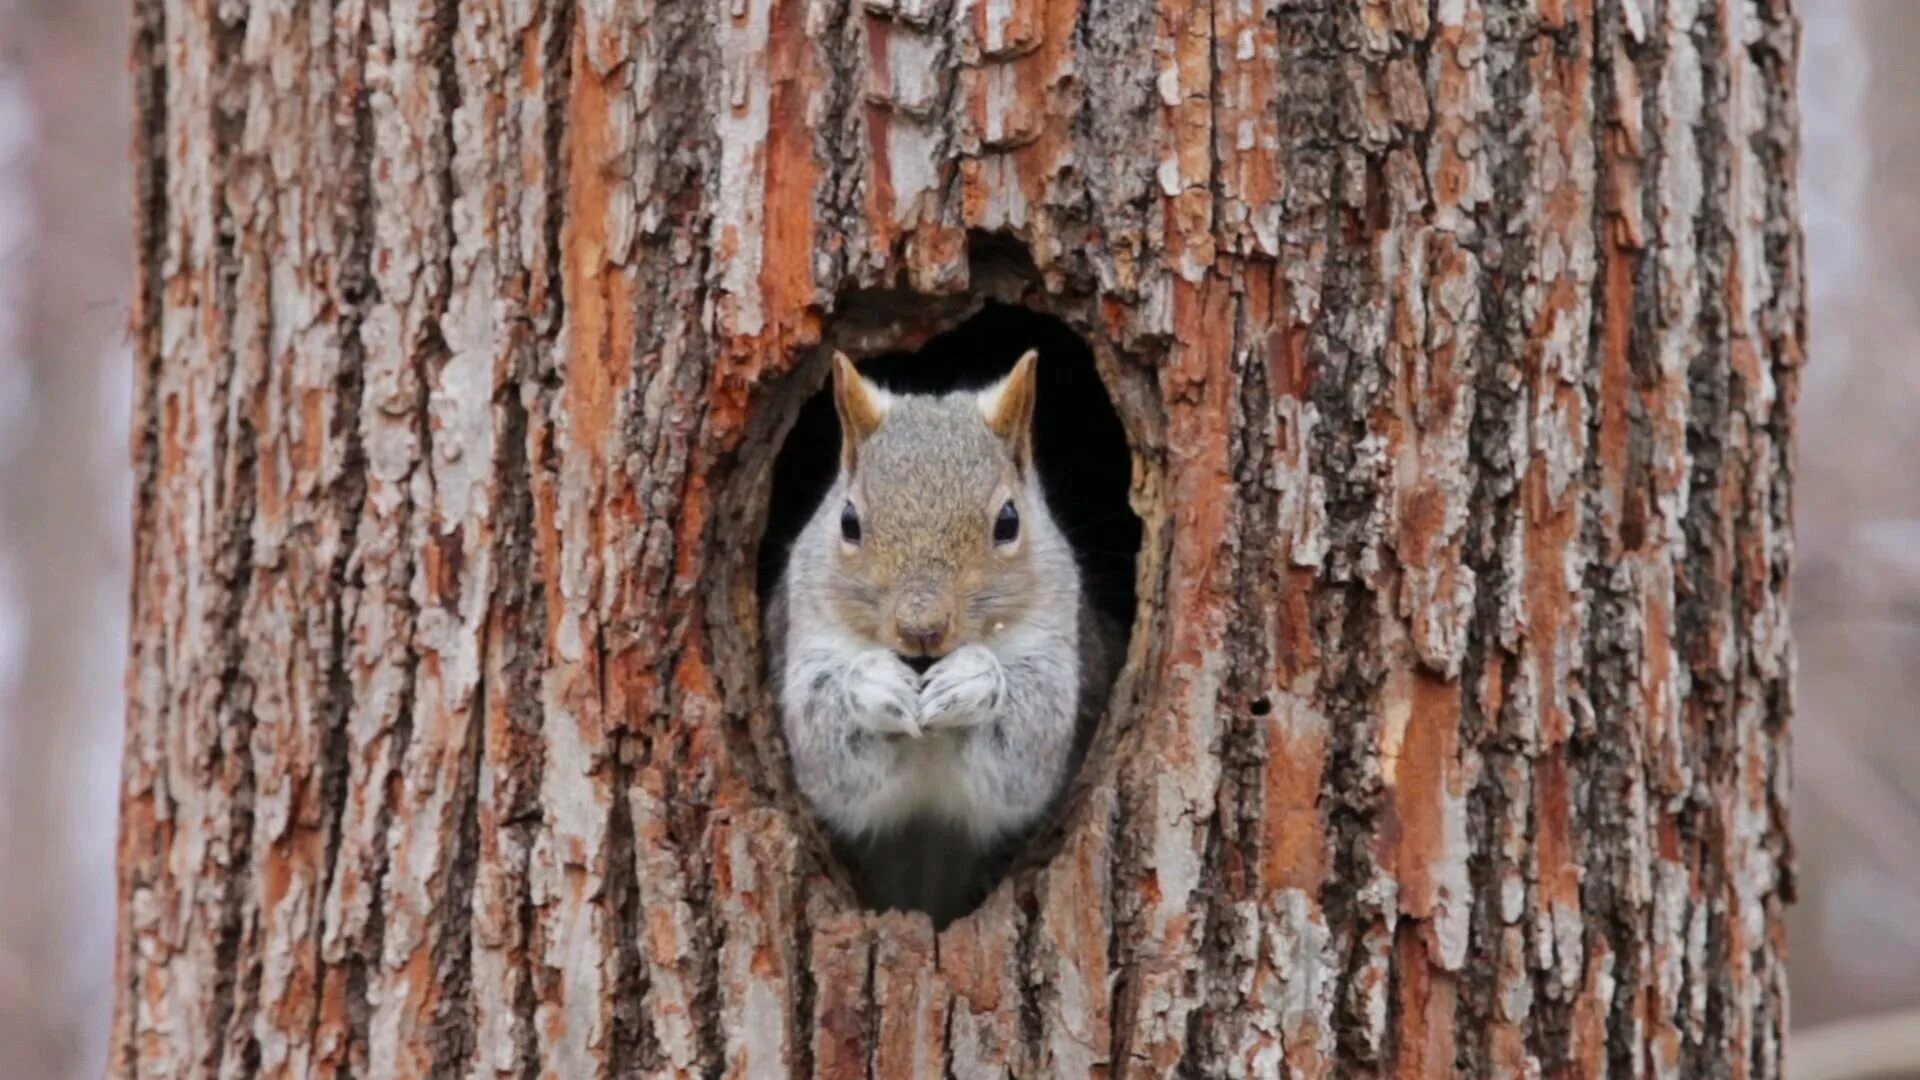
(934, 544)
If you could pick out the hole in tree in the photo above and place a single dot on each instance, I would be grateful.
(1081, 456)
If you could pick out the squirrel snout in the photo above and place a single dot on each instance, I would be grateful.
(922, 618)
(923, 637)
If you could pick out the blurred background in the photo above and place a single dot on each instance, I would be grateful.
(65, 399)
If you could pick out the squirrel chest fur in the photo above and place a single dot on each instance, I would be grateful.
(936, 664)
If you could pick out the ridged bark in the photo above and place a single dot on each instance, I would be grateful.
(1457, 344)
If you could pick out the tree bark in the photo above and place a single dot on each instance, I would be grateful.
(1457, 344)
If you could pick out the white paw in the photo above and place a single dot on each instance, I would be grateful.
(963, 689)
(884, 693)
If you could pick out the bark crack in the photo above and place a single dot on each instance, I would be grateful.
(349, 491)
(235, 988)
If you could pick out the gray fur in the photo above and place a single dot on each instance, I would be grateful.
(928, 783)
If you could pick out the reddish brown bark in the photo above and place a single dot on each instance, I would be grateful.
(1457, 345)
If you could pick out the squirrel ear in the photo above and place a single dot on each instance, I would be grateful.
(1008, 405)
(861, 405)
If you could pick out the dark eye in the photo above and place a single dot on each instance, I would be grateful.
(849, 524)
(1006, 525)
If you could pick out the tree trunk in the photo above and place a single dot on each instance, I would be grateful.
(1456, 343)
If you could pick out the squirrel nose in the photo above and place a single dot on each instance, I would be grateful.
(925, 638)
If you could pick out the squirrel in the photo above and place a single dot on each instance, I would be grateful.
(937, 665)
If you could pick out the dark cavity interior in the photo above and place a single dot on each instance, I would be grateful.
(1080, 445)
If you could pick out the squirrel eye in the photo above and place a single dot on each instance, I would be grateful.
(1006, 526)
(849, 524)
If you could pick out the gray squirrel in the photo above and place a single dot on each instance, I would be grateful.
(936, 662)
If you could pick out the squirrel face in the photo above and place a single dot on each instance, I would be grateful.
(933, 545)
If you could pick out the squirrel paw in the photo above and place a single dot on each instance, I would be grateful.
(884, 693)
(963, 689)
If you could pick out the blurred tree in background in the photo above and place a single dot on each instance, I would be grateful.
(65, 381)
